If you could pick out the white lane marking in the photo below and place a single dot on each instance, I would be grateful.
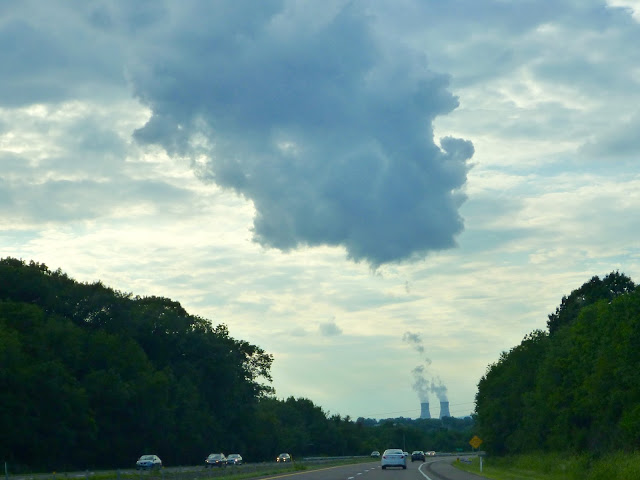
(424, 474)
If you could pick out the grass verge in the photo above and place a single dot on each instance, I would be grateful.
(616, 466)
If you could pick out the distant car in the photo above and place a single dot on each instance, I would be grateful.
(148, 462)
(417, 455)
(375, 454)
(234, 459)
(393, 457)
(431, 453)
(215, 460)
(283, 458)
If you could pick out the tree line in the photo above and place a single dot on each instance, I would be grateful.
(574, 387)
(91, 377)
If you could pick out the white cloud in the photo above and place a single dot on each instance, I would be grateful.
(321, 128)
(630, 6)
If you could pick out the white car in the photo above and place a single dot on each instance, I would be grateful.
(148, 462)
(393, 457)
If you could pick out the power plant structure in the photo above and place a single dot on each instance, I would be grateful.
(425, 413)
(444, 409)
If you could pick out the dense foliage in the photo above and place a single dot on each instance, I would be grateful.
(96, 376)
(92, 378)
(574, 388)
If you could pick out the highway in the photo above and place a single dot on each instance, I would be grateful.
(433, 469)
(436, 468)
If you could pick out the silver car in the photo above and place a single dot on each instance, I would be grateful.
(393, 457)
(234, 459)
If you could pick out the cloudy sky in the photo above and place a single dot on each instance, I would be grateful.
(383, 194)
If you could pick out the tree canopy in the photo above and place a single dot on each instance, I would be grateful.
(574, 388)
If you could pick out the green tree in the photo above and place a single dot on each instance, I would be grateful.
(611, 286)
(576, 389)
(502, 391)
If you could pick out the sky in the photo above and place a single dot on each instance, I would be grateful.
(384, 195)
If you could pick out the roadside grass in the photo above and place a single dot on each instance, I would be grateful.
(617, 466)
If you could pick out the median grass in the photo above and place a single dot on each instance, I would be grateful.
(617, 466)
(244, 472)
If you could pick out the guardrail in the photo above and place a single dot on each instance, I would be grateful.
(332, 459)
(198, 472)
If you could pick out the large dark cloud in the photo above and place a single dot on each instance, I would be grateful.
(310, 115)
(327, 131)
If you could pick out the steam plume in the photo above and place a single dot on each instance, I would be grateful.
(421, 384)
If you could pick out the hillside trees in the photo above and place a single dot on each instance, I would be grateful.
(576, 388)
(92, 377)
(503, 390)
(596, 289)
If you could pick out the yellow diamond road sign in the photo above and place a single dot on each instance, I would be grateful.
(475, 442)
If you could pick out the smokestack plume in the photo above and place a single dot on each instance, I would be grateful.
(424, 410)
(444, 409)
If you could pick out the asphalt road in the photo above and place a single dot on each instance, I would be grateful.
(437, 468)
(432, 469)
(441, 469)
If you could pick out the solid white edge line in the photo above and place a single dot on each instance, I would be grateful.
(422, 473)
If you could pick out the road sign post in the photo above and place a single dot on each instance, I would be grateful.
(475, 442)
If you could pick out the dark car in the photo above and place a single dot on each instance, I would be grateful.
(283, 458)
(148, 462)
(418, 455)
(215, 460)
(234, 459)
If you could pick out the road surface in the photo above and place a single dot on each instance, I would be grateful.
(433, 469)
(436, 468)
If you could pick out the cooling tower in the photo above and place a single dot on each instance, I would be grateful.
(424, 410)
(444, 409)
